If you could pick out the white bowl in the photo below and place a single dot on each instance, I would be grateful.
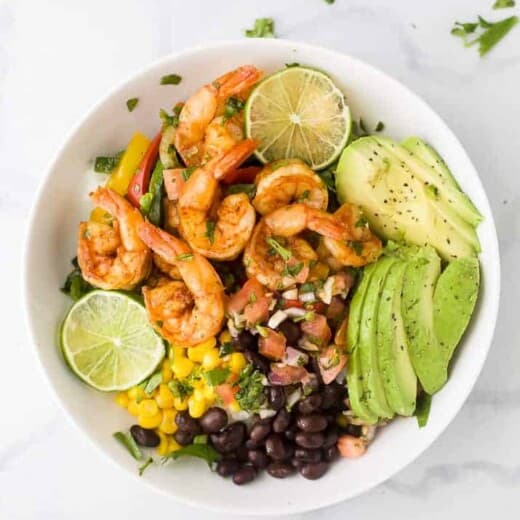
(62, 202)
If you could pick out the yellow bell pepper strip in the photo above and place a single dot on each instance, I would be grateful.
(120, 178)
(140, 181)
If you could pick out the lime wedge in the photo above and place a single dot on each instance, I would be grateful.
(108, 342)
(298, 112)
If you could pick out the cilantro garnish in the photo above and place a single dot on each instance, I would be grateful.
(263, 28)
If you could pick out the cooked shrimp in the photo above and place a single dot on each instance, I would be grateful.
(287, 181)
(189, 312)
(204, 106)
(171, 270)
(277, 262)
(217, 229)
(113, 257)
(361, 247)
(223, 134)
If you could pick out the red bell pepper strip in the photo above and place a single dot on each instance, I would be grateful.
(140, 181)
(244, 175)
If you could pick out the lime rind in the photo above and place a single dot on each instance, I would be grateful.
(108, 343)
(298, 112)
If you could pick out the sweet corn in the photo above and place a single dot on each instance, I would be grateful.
(234, 406)
(162, 449)
(164, 397)
(148, 408)
(197, 352)
(122, 399)
(168, 424)
(173, 445)
(166, 371)
(196, 407)
(176, 352)
(150, 421)
(237, 362)
(182, 367)
(198, 393)
(136, 393)
(198, 383)
(133, 408)
(180, 404)
(225, 337)
(211, 359)
(209, 394)
(319, 272)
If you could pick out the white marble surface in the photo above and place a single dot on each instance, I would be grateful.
(57, 57)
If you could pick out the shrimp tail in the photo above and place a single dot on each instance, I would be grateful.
(230, 160)
(165, 245)
(237, 80)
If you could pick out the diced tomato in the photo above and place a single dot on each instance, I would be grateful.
(317, 330)
(331, 362)
(288, 304)
(174, 183)
(343, 282)
(252, 301)
(286, 375)
(226, 392)
(351, 447)
(244, 175)
(318, 307)
(272, 345)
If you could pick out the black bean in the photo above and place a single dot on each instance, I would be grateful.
(333, 395)
(258, 361)
(247, 341)
(331, 437)
(307, 455)
(226, 467)
(280, 469)
(313, 422)
(310, 440)
(213, 420)
(291, 331)
(276, 397)
(314, 367)
(230, 438)
(241, 453)
(258, 458)
(186, 423)
(314, 470)
(144, 437)
(310, 404)
(331, 453)
(290, 434)
(259, 432)
(244, 475)
(281, 421)
(276, 448)
(354, 429)
(251, 445)
(297, 463)
(183, 437)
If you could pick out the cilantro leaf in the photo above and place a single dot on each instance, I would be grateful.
(185, 257)
(503, 4)
(75, 285)
(263, 28)
(210, 231)
(232, 107)
(216, 376)
(129, 443)
(180, 389)
(132, 103)
(225, 349)
(171, 79)
(202, 451)
(250, 395)
(105, 164)
(278, 248)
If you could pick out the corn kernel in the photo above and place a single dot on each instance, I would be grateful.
(180, 404)
(319, 272)
(198, 383)
(225, 337)
(198, 393)
(133, 408)
(150, 421)
(168, 424)
(234, 406)
(182, 367)
(209, 394)
(173, 445)
(196, 407)
(136, 393)
(122, 399)
(177, 352)
(237, 362)
(197, 352)
(211, 359)
(148, 408)
(166, 371)
(162, 449)
(164, 397)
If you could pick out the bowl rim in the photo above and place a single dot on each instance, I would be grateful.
(491, 311)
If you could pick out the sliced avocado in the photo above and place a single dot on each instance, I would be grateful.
(356, 392)
(422, 271)
(418, 148)
(453, 303)
(397, 373)
(367, 348)
(397, 202)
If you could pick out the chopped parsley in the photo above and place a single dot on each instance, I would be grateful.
(185, 257)
(306, 287)
(132, 103)
(75, 285)
(356, 245)
(171, 120)
(171, 79)
(361, 222)
(186, 174)
(289, 65)
(225, 349)
(232, 107)
(263, 28)
(292, 270)
(216, 376)
(180, 389)
(328, 178)
(279, 248)
(106, 163)
(252, 298)
(304, 196)
(250, 395)
(503, 4)
(486, 34)
(210, 231)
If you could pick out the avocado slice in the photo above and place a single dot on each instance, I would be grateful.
(422, 151)
(453, 303)
(422, 271)
(398, 202)
(357, 395)
(397, 373)
(368, 354)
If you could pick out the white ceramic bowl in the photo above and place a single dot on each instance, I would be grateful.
(62, 202)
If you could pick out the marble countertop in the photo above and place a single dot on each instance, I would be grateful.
(59, 56)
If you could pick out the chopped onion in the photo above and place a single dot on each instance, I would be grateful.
(276, 319)
(293, 398)
(272, 303)
(307, 297)
(325, 293)
(241, 415)
(295, 357)
(265, 413)
(291, 294)
(295, 312)
(232, 329)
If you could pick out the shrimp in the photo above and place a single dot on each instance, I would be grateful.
(218, 229)
(361, 247)
(287, 181)
(113, 256)
(184, 312)
(204, 106)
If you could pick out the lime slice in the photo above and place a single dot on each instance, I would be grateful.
(298, 112)
(108, 342)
